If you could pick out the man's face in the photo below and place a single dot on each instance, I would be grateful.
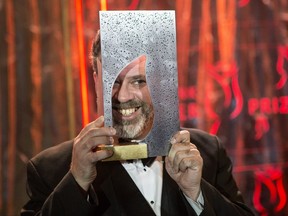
(132, 107)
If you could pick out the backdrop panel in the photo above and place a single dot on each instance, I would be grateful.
(233, 69)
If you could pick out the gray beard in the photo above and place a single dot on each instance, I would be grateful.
(134, 129)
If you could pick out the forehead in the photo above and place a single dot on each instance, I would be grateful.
(135, 67)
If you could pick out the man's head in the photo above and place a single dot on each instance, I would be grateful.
(95, 53)
(132, 107)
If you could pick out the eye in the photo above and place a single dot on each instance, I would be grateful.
(116, 83)
(139, 83)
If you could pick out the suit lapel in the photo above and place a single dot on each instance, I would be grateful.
(126, 193)
(121, 191)
(173, 201)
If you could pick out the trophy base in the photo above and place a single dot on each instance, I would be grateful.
(127, 151)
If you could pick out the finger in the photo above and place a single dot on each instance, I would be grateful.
(192, 161)
(100, 155)
(179, 147)
(168, 166)
(181, 137)
(191, 153)
(94, 142)
(96, 133)
(99, 122)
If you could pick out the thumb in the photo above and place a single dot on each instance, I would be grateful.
(168, 166)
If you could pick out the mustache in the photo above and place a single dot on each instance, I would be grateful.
(127, 105)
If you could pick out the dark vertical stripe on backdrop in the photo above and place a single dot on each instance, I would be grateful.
(204, 85)
(3, 87)
(1, 141)
(11, 106)
(36, 80)
(3, 104)
(68, 69)
(226, 29)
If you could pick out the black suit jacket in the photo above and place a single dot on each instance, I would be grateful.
(53, 191)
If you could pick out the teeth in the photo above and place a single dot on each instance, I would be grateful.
(127, 112)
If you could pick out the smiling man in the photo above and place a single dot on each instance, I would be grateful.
(71, 178)
(131, 101)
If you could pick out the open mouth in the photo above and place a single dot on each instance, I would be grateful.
(128, 112)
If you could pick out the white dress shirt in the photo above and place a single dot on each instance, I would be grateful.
(149, 181)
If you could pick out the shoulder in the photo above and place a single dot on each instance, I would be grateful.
(199, 137)
(212, 151)
(57, 153)
(208, 144)
(52, 163)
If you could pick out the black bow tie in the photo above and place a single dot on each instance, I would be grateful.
(146, 161)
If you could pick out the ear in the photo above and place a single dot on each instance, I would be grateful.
(99, 92)
(95, 82)
(95, 77)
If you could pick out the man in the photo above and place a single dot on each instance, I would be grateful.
(71, 178)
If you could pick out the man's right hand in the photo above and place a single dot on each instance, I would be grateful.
(85, 153)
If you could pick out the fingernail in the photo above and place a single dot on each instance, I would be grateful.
(112, 130)
(110, 152)
(111, 140)
(173, 141)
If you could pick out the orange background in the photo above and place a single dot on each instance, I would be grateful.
(233, 69)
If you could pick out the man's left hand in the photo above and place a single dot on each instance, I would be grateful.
(184, 164)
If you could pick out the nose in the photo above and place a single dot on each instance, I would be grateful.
(122, 93)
